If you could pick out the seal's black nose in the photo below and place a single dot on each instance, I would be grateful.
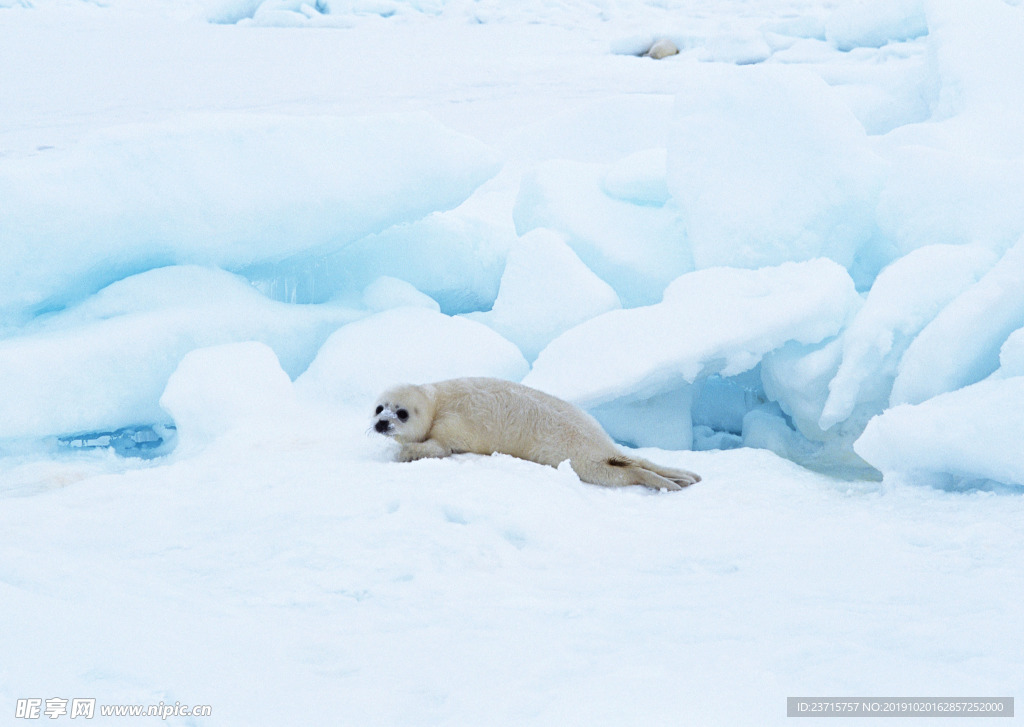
(382, 425)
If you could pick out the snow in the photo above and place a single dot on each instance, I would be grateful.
(411, 345)
(640, 178)
(940, 197)
(232, 190)
(714, 321)
(386, 292)
(456, 258)
(103, 364)
(226, 225)
(938, 441)
(978, 110)
(634, 367)
(768, 165)
(320, 584)
(216, 388)
(798, 376)
(979, 320)
(874, 23)
(1011, 356)
(545, 290)
(906, 297)
(637, 248)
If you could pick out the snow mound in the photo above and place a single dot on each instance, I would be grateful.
(974, 51)
(103, 365)
(796, 376)
(545, 290)
(961, 346)
(405, 345)
(318, 13)
(640, 178)
(873, 23)
(939, 196)
(767, 165)
(386, 292)
(715, 321)
(970, 437)
(977, 53)
(601, 131)
(453, 257)
(634, 368)
(637, 248)
(220, 189)
(1011, 356)
(218, 388)
(906, 296)
(830, 391)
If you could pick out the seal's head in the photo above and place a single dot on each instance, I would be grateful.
(405, 413)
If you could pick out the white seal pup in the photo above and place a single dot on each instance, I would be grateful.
(484, 416)
(662, 49)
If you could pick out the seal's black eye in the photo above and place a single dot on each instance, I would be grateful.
(379, 409)
(402, 414)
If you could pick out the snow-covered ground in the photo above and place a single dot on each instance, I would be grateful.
(790, 257)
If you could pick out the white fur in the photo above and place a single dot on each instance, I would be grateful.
(484, 416)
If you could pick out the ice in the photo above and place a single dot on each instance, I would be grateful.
(1011, 356)
(807, 25)
(637, 248)
(639, 178)
(965, 438)
(952, 177)
(742, 47)
(232, 190)
(937, 196)
(719, 321)
(906, 296)
(982, 96)
(797, 376)
(980, 99)
(404, 345)
(831, 391)
(768, 165)
(721, 402)
(218, 388)
(102, 365)
(231, 11)
(885, 88)
(608, 130)
(873, 23)
(455, 258)
(315, 13)
(764, 429)
(722, 321)
(663, 420)
(961, 345)
(545, 290)
(386, 292)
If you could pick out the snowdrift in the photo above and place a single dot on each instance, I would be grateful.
(226, 190)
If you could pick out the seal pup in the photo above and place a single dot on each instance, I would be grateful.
(484, 416)
(662, 49)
